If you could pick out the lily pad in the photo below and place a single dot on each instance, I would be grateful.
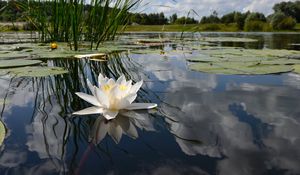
(110, 49)
(205, 58)
(227, 39)
(2, 132)
(132, 46)
(36, 71)
(152, 40)
(227, 52)
(18, 63)
(281, 61)
(1, 101)
(43, 51)
(240, 68)
(297, 68)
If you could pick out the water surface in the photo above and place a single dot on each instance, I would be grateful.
(204, 123)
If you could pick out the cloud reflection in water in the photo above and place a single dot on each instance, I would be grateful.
(230, 124)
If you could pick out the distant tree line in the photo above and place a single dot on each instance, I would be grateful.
(285, 16)
(160, 19)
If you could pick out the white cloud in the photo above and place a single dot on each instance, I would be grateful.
(206, 7)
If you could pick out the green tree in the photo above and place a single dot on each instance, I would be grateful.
(228, 18)
(213, 18)
(280, 21)
(256, 17)
(186, 20)
(239, 19)
(173, 18)
(255, 22)
(289, 9)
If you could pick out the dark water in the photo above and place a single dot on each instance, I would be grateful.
(204, 123)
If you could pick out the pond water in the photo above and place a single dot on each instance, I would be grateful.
(204, 123)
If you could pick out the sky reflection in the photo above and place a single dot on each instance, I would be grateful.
(205, 123)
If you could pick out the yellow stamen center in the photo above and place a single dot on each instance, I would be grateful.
(106, 87)
(123, 87)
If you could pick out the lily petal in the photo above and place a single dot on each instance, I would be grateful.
(91, 87)
(102, 98)
(102, 80)
(121, 79)
(135, 88)
(116, 92)
(134, 115)
(130, 98)
(115, 131)
(89, 98)
(129, 83)
(111, 82)
(109, 114)
(122, 104)
(131, 131)
(134, 106)
(90, 110)
(99, 130)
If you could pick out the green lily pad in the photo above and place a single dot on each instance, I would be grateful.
(228, 52)
(17, 63)
(297, 68)
(281, 61)
(240, 68)
(206, 58)
(13, 55)
(1, 101)
(132, 46)
(244, 61)
(110, 49)
(36, 71)
(152, 40)
(2, 132)
(43, 51)
(227, 39)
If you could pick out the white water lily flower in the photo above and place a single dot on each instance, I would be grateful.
(112, 97)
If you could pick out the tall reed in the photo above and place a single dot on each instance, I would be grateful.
(77, 20)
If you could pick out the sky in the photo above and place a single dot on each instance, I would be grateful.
(206, 7)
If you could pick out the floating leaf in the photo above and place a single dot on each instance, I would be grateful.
(297, 68)
(152, 40)
(239, 68)
(18, 63)
(2, 132)
(129, 47)
(35, 71)
(227, 39)
(244, 61)
(2, 101)
(229, 52)
(205, 58)
(294, 56)
(52, 54)
(281, 61)
(42, 51)
(111, 49)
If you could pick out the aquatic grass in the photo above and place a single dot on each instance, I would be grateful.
(73, 21)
